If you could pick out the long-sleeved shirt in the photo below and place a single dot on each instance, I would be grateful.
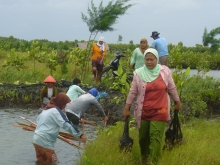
(138, 89)
(74, 92)
(137, 58)
(82, 104)
(49, 123)
(44, 93)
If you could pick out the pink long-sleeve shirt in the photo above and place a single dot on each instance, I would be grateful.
(138, 89)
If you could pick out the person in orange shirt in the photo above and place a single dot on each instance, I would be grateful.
(97, 56)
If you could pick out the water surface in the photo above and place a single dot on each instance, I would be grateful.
(16, 143)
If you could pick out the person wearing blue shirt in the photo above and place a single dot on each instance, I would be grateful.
(161, 46)
(49, 122)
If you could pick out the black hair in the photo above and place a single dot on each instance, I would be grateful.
(76, 81)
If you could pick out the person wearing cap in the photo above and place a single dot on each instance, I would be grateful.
(74, 90)
(48, 91)
(161, 46)
(137, 58)
(151, 85)
(76, 109)
(49, 122)
(97, 55)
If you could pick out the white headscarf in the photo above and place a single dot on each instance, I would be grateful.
(102, 47)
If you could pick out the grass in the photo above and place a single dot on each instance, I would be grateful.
(201, 147)
(31, 75)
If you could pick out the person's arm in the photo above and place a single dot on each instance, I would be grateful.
(130, 98)
(42, 94)
(73, 130)
(98, 106)
(173, 91)
(55, 92)
(133, 90)
(153, 45)
(133, 59)
(126, 112)
(79, 90)
(103, 54)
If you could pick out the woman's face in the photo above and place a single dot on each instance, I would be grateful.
(50, 85)
(150, 61)
(143, 44)
(100, 42)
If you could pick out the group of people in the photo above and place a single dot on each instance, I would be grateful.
(99, 51)
(137, 58)
(60, 110)
(152, 86)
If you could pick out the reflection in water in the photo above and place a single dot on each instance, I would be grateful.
(16, 144)
(211, 73)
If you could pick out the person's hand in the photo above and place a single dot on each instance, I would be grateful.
(106, 118)
(83, 117)
(177, 105)
(126, 112)
(83, 138)
(42, 107)
(101, 61)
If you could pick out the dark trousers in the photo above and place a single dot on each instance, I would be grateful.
(73, 118)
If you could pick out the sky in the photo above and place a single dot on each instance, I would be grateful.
(60, 20)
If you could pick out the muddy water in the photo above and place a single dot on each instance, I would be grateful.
(16, 144)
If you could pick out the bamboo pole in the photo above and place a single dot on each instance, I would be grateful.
(90, 122)
(59, 136)
(32, 128)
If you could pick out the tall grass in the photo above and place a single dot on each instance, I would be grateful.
(202, 146)
(31, 75)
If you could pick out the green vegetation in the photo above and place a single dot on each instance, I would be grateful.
(199, 94)
(29, 62)
(209, 39)
(201, 147)
(102, 19)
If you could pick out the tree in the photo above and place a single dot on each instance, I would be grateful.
(209, 38)
(119, 38)
(101, 18)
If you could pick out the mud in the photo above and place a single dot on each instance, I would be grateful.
(28, 97)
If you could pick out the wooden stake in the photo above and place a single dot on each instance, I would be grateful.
(59, 136)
